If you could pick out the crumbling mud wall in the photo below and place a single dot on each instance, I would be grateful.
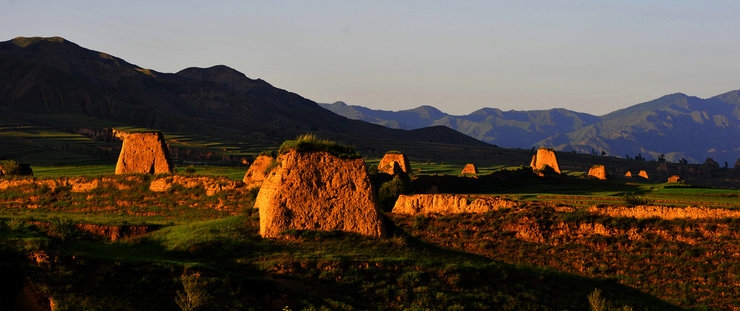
(143, 153)
(445, 204)
(318, 191)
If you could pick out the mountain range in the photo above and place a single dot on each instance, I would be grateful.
(52, 85)
(675, 127)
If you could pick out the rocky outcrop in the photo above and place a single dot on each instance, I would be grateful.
(143, 153)
(318, 191)
(544, 160)
(211, 185)
(469, 169)
(445, 204)
(598, 172)
(257, 171)
(386, 164)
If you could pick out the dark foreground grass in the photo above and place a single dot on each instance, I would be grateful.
(236, 269)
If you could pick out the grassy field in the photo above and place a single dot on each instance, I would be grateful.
(187, 239)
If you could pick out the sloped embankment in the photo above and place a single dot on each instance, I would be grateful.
(687, 256)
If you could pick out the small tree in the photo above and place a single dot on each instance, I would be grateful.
(390, 190)
(192, 296)
(596, 302)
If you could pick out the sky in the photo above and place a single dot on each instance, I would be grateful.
(458, 56)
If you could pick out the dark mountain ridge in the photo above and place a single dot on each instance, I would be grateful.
(56, 83)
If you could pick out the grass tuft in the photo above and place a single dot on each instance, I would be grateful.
(312, 143)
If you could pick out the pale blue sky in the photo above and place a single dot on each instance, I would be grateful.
(587, 56)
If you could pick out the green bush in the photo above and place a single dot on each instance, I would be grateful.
(310, 142)
(598, 303)
(9, 167)
(390, 190)
(274, 164)
(632, 200)
(270, 153)
(190, 169)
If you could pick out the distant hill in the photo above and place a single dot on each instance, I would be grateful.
(56, 84)
(676, 127)
(423, 116)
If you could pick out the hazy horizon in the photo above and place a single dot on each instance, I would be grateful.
(458, 57)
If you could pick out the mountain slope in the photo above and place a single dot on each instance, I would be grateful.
(55, 83)
(676, 126)
(517, 128)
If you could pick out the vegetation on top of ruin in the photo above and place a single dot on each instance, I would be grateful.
(312, 143)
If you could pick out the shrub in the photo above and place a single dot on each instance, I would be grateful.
(598, 303)
(274, 164)
(16, 224)
(390, 190)
(371, 169)
(632, 200)
(9, 167)
(61, 228)
(310, 142)
(190, 169)
(193, 294)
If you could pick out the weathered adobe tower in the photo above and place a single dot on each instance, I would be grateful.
(143, 153)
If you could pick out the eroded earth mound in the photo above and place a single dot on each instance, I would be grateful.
(445, 204)
(386, 164)
(143, 153)
(318, 191)
(598, 172)
(469, 169)
(257, 171)
(544, 159)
